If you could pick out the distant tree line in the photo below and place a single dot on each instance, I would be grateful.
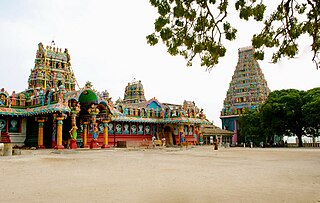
(288, 112)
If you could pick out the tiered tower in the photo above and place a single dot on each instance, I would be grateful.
(247, 90)
(134, 93)
(52, 69)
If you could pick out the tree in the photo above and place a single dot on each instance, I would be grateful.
(282, 112)
(198, 27)
(311, 112)
(251, 126)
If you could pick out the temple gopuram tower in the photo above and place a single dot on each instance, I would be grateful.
(52, 69)
(247, 90)
(134, 93)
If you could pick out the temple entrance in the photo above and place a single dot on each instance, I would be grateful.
(66, 127)
(47, 132)
(168, 133)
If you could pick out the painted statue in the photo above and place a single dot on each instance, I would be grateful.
(95, 131)
(201, 139)
(41, 97)
(13, 98)
(182, 136)
(73, 132)
(125, 111)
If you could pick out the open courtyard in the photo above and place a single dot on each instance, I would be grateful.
(197, 174)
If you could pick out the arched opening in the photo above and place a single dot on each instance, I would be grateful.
(3, 99)
(169, 135)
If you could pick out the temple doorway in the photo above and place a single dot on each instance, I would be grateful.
(66, 127)
(168, 133)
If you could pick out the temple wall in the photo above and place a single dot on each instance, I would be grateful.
(231, 124)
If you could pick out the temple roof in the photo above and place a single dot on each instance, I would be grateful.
(210, 129)
(58, 107)
(183, 120)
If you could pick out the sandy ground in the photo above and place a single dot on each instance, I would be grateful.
(199, 174)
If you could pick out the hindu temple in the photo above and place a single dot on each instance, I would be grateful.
(247, 90)
(54, 112)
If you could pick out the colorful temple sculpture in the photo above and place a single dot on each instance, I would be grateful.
(247, 90)
(51, 113)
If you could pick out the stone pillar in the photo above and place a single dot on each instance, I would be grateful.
(105, 134)
(54, 131)
(94, 111)
(201, 137)
(95, 133)
(40, 135)
(59, 132)
(40, 121)
(235, 135)
(85, 134)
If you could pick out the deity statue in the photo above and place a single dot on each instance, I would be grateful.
(73, 132)
(93, 110)
(13, 98)
(95, 131)
(68, 56)
(88, 85)
(41, 97)
(162, 113)
(75, 107)
(202, 115)
(62, 94)
(181, 112)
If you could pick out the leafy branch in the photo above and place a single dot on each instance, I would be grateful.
(193, 28)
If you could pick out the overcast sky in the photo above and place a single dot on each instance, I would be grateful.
(107, 44)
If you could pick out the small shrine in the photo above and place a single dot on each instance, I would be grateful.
(54, 112)
(247, 90)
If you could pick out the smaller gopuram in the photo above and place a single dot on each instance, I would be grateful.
(247, 90)
(134, 93)
(138, 118)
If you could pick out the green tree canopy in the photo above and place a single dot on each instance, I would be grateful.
(286, 112)
(197, 27)
(311, 111)
(283, 113)
(251, 125)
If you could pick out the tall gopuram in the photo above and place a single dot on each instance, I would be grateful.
(53, 112)
(52, 68)
(247, 90)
